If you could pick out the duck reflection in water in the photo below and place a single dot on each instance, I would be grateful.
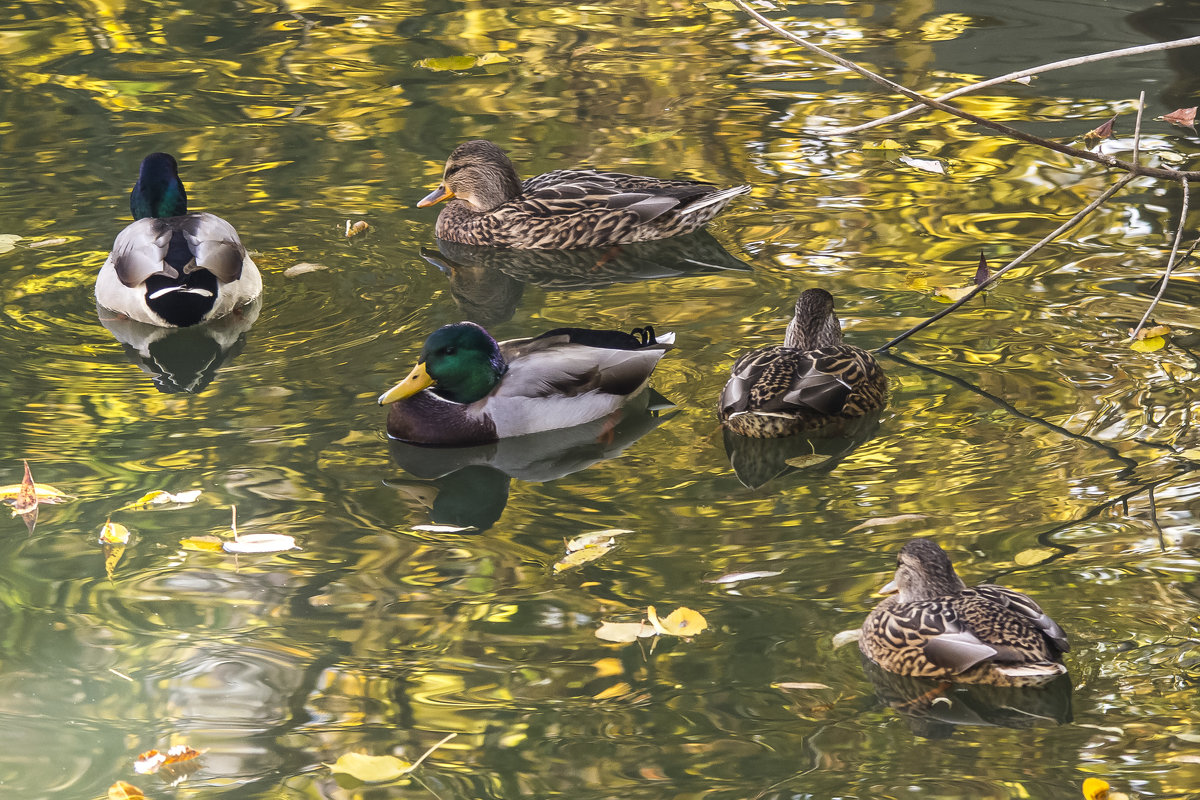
(468, 486)
(487, 282)
(182, 359)
(757, 462)
(934, 709)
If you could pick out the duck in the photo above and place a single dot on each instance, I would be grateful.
(469, 389)
(565, 209)
(811, 381)
(935, 626)
(171, 268)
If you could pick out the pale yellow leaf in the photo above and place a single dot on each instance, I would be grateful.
(1148, 345)
(876, 522)
(951, 294)
(204, 544)
(578, 558)
(1034, 555)
(593, 538)
(371, 769)
(682, 621)
(260, 543)
(114, 533)
(886, 144)
(623, 631)
(809, 460)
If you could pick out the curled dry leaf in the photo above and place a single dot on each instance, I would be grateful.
(982, 273)
(354, 229)
(260, 543)
(124, 791)
(1098, 789)
(1097, 135)
(1150, 331)
(577, 558)
(150, 761)
(682, 621)
(301, 268)
(623, 632)
(594, 538)
(1182, 117)
(26, 500)
(161, 498)
(114, 533)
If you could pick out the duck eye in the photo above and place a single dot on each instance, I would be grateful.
(450, 350)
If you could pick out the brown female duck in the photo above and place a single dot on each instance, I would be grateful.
(812, 380)
(490, 206)
(937, 627)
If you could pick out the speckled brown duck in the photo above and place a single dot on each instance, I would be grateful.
(810, 381)
(935, 626)
(490, 205)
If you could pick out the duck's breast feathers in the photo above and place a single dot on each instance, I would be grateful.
(173, 246)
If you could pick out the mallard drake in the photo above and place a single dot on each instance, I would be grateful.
(936, 627)
(172, 268)
(810, 381)
(564, 209)
(468, 389)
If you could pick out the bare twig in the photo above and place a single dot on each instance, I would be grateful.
(1137, 128)
(1012, 76)
(1013, 133)
(1172, 263)
(1054, 234)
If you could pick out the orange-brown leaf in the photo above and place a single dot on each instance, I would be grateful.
(124, 791)
(27, 498)
(148, 762)
(1182, 117)
(181, 752)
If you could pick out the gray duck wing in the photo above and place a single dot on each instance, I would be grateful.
(214, 244)
(140, 251)
(1023, 607)
(784, 380)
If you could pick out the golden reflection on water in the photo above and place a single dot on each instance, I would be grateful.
(289, 121)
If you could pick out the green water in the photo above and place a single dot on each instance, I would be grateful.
(1036, 446)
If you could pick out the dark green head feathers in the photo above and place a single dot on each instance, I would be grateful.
(158, 191)
(460, 362)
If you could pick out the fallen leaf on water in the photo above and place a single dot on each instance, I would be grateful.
(112, 555)
(301, 268)
(380, 769)
(924, 164)
(886, 144)
(124, 791)
(1148, 345)
(809, 460)
(1025, 80)
(26, 503)
(205, 544)
(114, 533)
(593, 538)
(181, 752)
(1099, 134)
(1098, 789)
(1150, 331)
(982, 273)
(260, 543)
(623, 632)
(46, 494)
(356, 228)
(1182, 117)
(48, 242)
(801, 685)
(682, 621)
(8, 241)
(917, 280)
(148, 762)
(161, 498)
(461, 63)
(1034, 555)
(877, 522)
(651, 138)
(952, 294)
(738, 577)
(577, 558)
(444, 528)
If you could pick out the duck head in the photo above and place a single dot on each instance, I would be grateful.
(479, 174)
(923, 571)
(814, 324)
(460, 362)
(158, 191)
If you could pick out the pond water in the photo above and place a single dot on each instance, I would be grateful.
(1023, 433)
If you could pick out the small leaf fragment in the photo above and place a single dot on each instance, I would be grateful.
(952, 294)
(112, 555)
(807, 460)
(682, 621)
(623, 632)
(147, 763)
(1024, 80)
(114, 533)
(982, 273)
(886, 144)
(49, 242)
(1099, 134)
(1182, 117)
(27, 499)
(444, 528)
(1150, 331)
(204, 544)
(577, 558)
(356, 228)
(301, 268)
(651, 138)
(877, 522)
(931, 165)
(161, 498)
(181, 752)
(738, 577)
(604, 537)
(1148, 345)
(124, 791)
(260, 543)
(801, 685)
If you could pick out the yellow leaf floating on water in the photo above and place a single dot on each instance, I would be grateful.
(1098, 789)
(161, 498)
(204, 544)
(461, 63)
(951, 294)
(8, 241)
(371, 769)
(1035, 555)
(577, 558)
(1148, 345)
(886, 144)
(112, 555)
(623, 632)
(682, 621)
(114, 533)
(595, 538)
(810, 460)
(380, 769)
(124, 791)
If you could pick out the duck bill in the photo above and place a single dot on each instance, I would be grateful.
(436, 196)
(890, 588)
(417, 380)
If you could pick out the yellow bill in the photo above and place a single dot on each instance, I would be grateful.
(436, 196)
(417, 380)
